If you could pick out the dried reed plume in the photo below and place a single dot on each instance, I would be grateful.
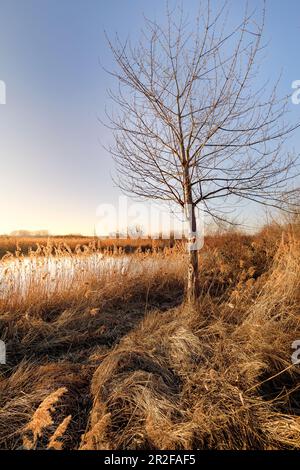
(42, 419)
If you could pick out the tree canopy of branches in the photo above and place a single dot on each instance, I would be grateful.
(191, 127)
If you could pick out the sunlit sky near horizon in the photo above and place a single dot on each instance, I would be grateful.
(54, 170)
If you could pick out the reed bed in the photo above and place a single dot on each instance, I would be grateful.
(76, 244)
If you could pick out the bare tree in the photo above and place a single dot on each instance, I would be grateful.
(190, 128)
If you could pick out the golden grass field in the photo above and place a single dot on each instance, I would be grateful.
(56, 244)
(113, 359)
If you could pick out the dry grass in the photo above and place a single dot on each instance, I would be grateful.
(141, 370)
(76, 244)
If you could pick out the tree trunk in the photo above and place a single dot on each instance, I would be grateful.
(193, 264)
(192, 291)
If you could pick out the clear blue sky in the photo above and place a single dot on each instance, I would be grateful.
(54, 172)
